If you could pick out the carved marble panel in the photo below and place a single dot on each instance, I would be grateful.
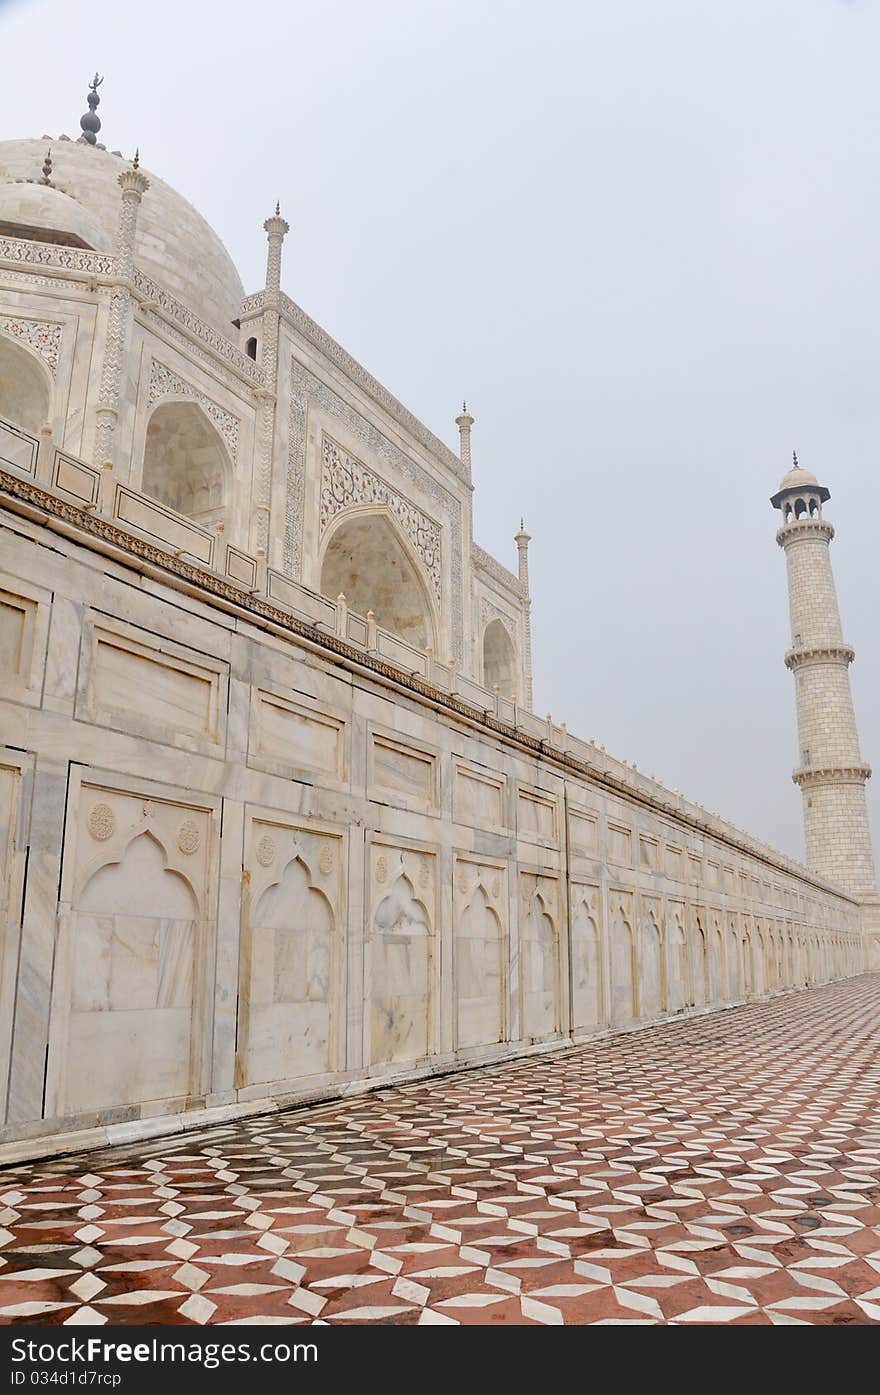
(400, 770)
(133, 681)
(129, 996)
(12, 855)
(583, 833)
(401, 991)
(480, 797)
(619, 844)
(292, 943)
(673, 862)
(624, 1002)
(536, 815)
(677, 959)
(479, 952)
(651, 984)
(539, 956)
(24, 628)
(292, 733)
(586, 955)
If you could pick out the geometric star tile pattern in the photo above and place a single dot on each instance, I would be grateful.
(722, 1169)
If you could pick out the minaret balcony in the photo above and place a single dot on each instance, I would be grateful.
(808, 776)
(804, 655)
(804, 528)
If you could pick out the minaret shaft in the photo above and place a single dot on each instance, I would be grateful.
(830, 771)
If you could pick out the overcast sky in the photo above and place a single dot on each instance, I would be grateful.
(640, 236)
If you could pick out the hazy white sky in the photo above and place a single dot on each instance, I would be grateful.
(640, 237)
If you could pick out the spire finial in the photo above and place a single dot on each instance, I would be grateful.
(47, 167)
(91, 121)
(795, 460)
(136, 162)
(277, 208)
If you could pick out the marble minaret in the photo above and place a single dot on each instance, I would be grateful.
(830, 771)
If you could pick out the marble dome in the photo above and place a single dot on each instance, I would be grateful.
(799, 478)
(175, 246)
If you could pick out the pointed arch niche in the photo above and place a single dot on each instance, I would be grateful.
(539, 960)
(651, 984)
(186, 464)
(586, 958)
(401, 966)
(289, 976)
(499, 660)
(624, 1003)
(135, 953)
(479, 957)
(25, 387)
(367, 559)
(677, 976)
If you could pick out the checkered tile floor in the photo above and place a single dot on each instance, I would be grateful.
(724, 1169)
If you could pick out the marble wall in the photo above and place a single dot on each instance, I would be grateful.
(238, 868)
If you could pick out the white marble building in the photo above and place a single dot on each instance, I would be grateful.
(277, 820)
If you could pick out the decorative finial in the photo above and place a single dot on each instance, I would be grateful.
(522, 525)
(136, 162)
(277, 208)
(91, 122)
(47, 167)
(795, 459)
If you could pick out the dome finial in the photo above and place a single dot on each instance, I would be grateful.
(277, 208)
(795, 460)
(136, 162)
(91, 121)
(47, 167)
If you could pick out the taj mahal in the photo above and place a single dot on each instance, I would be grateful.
(277, 820)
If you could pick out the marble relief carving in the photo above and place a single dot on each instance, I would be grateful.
(677, 965)
(401, 942)
(43, 336)
(586, 956)
(488, 612)
(651, 984)
(292, 929)
(539, 956)
(394, 463)
(346, 481)
(624, 997)
(14, 249)
(129, 988)
(165, 383)
(479, 953)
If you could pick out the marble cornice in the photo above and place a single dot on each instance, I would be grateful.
(89, 528)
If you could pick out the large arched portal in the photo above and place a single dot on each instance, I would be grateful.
(24, 388)
(499, 660)
(367, 562)
(185, 462)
